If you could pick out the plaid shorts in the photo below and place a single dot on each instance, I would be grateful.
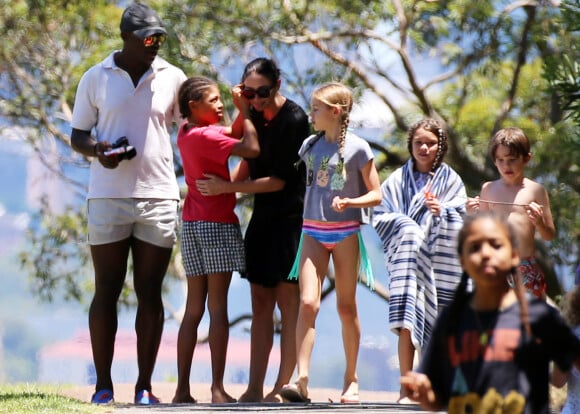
(208, 247)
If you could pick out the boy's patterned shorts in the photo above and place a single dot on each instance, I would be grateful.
(533, 277)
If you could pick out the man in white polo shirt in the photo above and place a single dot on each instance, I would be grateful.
(133, 196)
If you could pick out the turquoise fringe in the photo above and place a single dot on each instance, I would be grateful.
(365, 267)
(295, 271)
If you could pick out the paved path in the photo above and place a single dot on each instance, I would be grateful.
(314, 408)
(372, 401)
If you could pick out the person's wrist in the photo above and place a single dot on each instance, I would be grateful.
(95, 149)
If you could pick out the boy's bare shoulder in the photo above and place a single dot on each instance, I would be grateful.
(489, 184)
(528, 182)
(535, 188)
(492, 187)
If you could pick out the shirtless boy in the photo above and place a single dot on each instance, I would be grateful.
(523, 201)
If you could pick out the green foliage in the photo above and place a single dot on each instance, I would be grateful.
(475, 64)
(26, 399)
(562, 67)
(58, 255)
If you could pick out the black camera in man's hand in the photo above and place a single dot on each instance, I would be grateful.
(122, 149)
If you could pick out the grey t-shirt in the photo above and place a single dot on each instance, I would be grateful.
(325, 179)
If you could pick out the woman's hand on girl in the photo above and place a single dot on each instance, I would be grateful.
(213, 185)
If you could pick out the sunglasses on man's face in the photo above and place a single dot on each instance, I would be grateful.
(156, 39)
(261, 92)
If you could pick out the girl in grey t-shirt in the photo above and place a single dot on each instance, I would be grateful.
(341, 184)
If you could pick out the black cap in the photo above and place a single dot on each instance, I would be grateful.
(141, 20)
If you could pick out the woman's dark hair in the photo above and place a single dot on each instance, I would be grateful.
(192, 90)
(462, 296)
(264, 67)
(435, 127)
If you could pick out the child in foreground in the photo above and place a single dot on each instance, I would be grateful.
(491, 349)
(524, 202)
(342, 182)
(211, 242)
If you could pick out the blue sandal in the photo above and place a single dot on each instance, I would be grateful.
(103, 397)
(146, 397)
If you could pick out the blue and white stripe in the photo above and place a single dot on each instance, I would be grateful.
(420, 249)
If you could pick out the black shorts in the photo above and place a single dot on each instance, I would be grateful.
(271, 244)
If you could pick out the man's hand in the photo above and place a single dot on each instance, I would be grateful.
(107, 161)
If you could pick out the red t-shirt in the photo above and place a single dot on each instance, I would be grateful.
(205, 150)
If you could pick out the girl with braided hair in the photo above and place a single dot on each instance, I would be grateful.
(211, 238)
(422, 209)
(491, 348)
(342, 183)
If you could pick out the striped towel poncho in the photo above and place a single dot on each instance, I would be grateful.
(420, 249)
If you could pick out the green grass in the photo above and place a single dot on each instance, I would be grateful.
(32, 399)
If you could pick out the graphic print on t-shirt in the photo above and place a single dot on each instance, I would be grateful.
(322, 174)
(474, 356)
(337, 180)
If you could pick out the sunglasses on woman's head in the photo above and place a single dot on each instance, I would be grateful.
(156, 39)
(262, 92)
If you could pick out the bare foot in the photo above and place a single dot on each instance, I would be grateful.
(250, 397)
(273, 396)
(220, 396)
(183, 399)
(302, 384)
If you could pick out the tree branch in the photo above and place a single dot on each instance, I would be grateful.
(520, 62)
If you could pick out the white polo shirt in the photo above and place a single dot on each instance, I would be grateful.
(107, 101)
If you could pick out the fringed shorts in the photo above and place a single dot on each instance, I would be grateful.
(329, 234)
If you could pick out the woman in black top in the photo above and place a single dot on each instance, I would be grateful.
(272, 237)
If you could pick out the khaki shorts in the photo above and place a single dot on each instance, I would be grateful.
(153, 221)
